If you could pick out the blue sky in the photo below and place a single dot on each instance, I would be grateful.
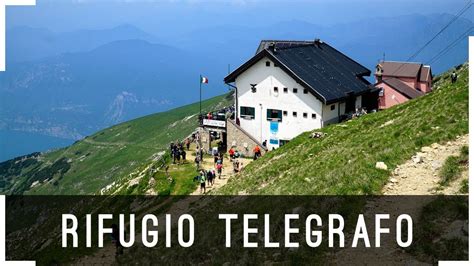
(162, 17)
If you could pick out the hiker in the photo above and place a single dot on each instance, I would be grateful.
(116, 240)
(173, 154)
(236, 166)
(257, 153)
(203, 182)
(232, 153)
(171, 147)
(177, 155)
(219, 168)
(196, 161)
(188, 143)
(183, 154)
(215, 153)
(454, 77)
(210, 180)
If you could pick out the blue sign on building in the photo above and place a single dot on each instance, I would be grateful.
(273, 127)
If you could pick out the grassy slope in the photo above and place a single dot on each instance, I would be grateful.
(102, 158)
(344, 161)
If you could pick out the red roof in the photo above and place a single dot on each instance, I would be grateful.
(400, 69)
(402, 88)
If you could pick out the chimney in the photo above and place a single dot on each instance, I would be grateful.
(272, 47)
(318, 42)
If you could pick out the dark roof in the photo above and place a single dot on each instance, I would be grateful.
(265, 44)
(400, 69)
(425, 73)
(326, 72)
(401, 87)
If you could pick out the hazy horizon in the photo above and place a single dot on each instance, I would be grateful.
(166, 18)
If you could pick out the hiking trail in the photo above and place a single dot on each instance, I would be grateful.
(414, 177)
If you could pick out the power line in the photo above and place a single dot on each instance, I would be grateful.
(460, 13)
(450, 46)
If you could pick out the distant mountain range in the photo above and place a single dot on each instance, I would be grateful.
(72, 84)
(26, 43)
(79, 93)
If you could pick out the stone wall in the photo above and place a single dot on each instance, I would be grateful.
(205, 139)
(240, 140)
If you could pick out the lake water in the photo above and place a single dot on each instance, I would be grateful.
(16, 143)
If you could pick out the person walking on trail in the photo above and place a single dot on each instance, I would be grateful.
(210, 180)
(196, 161)
(232, 153)
(177, 155)
(219, 168)
(256, 152)
(216, 155)
(188, 143)
(173, 154)
(236, 166)
(203, 182)
(454, 77)
(182, 153)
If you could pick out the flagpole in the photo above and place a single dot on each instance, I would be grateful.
(200, 95)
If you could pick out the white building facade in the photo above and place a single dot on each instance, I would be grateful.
(274, 107)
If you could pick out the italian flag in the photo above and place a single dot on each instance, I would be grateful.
(204, 80)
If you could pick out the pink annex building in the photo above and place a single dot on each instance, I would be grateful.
(401, 81)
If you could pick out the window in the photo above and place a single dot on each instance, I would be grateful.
(253, 88)
(333, 107)
(275, 89)
(313, 116)
(295, 114)
(267, 63)
(295, 90)
(285, 90)
(274, 115)
(247, 112)
(275, 65)
(305, 115)
(305, 91)
(285, 113)
(381, 92)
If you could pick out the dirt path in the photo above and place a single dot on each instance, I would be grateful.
(415, 177)
(419, 176)
(106, 255)
(227, 171)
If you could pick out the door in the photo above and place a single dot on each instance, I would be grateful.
(350, 103)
